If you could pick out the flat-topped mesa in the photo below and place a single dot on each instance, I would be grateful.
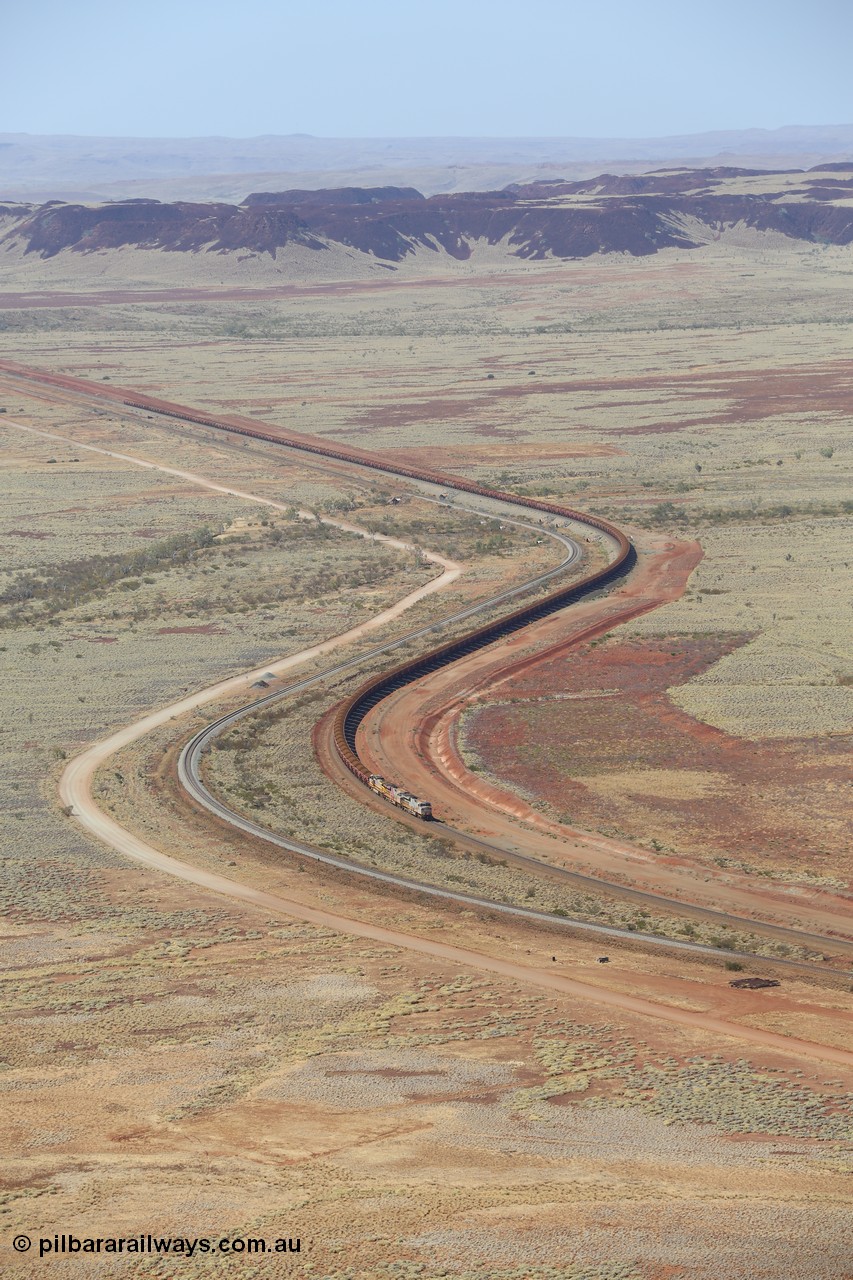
(333, 196)
(635, 215)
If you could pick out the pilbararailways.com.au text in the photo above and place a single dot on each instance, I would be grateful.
(150, 1244)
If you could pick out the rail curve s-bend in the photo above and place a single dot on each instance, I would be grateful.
(353, 710)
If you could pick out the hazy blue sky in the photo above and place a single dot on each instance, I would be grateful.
(393, 68)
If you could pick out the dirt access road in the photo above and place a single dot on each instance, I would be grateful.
(76, 791)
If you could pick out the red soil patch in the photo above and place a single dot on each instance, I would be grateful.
(27, 533)
(767, 799)
(743, 396)
(403, 413)
(498, 450)
(208, 629)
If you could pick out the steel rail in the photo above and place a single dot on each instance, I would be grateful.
(354, 708)
(189, 777)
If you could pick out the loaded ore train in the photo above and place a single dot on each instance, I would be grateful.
(350, 713)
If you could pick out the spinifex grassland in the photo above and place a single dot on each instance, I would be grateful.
(182, 1063)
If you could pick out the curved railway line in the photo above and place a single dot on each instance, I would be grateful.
(352, 711)
(189, 776)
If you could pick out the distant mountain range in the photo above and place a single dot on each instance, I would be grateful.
(79, 168)
(632, 214)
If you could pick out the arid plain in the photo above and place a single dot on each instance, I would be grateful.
(181, 1062)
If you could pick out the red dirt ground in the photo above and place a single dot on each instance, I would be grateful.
(207, 629)
(742, 396)
(768, 802)
(16, 299)
(410, 735)
(500, 451)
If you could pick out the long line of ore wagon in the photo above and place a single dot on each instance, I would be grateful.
(353, 710)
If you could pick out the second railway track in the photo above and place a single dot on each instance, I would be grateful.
(353, 710)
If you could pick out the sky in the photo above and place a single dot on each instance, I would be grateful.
(393, 68)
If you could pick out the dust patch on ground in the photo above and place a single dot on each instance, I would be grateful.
(636, 765)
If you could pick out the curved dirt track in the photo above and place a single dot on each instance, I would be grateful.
(75, 790)
(132, 847)
(451, 570)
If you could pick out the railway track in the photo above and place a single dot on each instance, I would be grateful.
(353, 710)
(189, 776)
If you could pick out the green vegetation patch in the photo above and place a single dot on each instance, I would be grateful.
(34, 596)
